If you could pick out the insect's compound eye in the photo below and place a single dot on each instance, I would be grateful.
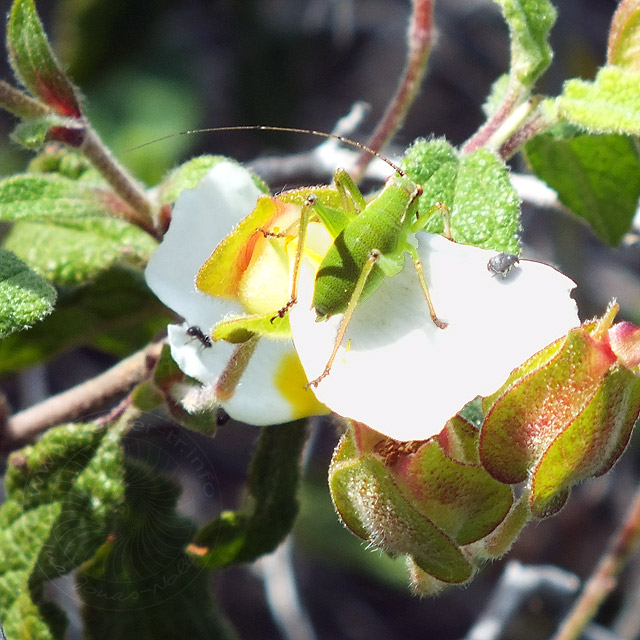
(311, 199)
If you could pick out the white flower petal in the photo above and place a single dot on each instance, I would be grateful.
(271, 389)
(400, 374)
(201, 218)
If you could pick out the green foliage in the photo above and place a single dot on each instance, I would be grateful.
(52, 198)
(243, 536)
(61, 496)
(74, 253)
(25, 296)
(597, 177)
(141, 583)
(476, 188)
(116, 313)
(529, 22)
(67, 231)
(33, 133)
(609, 104)
(67, 163)
(34, 63)
(187, 176)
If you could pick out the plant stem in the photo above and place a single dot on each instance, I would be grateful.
(513, 97)
(86, 398)
(420, 39)
(604, 578)
(20, 104)
(536, 124)
(123, 183)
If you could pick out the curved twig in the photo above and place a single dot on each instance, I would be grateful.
(420, 39)
(605, 577)
(86, 398)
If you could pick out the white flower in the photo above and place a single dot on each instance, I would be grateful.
(404, 377)
(271, 388)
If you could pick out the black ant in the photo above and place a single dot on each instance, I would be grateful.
(197, 334)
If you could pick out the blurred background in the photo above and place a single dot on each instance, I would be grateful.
(151, 68)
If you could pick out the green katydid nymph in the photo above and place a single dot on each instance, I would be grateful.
(369, 243)
(368, 248)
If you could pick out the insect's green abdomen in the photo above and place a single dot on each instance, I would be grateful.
(337, 279)
(377, 227)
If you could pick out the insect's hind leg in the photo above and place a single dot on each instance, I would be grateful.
(372, 259)
(417, 263)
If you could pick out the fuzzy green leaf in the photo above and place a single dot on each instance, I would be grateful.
(25, 296)
(597, 177)
(52, 198)
(476, 188)
(61, 498)
(33, 133)
(34, 63)
(188, 175)
(529, 23)
(273, 484)
(141, 583)
(74, 252)
(609, 104)
(115, 313)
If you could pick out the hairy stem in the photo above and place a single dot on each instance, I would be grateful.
(535, 125)
(122, 182)
(20, 104)
(513, 97)
(80, 401)
(604, 578)
(420, 39)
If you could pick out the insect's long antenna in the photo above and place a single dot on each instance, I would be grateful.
(323, 134)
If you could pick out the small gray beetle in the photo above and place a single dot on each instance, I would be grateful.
(502, 263)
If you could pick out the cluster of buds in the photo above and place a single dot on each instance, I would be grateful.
(407, 476)
(447, 503)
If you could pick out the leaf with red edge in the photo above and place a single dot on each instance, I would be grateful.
(34, 63)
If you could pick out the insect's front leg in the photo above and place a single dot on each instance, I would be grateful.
(351, 197)
(438, 207)
(309, 203)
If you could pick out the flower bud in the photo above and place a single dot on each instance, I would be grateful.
(566, 414)
(622, 49)
(419, 499)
